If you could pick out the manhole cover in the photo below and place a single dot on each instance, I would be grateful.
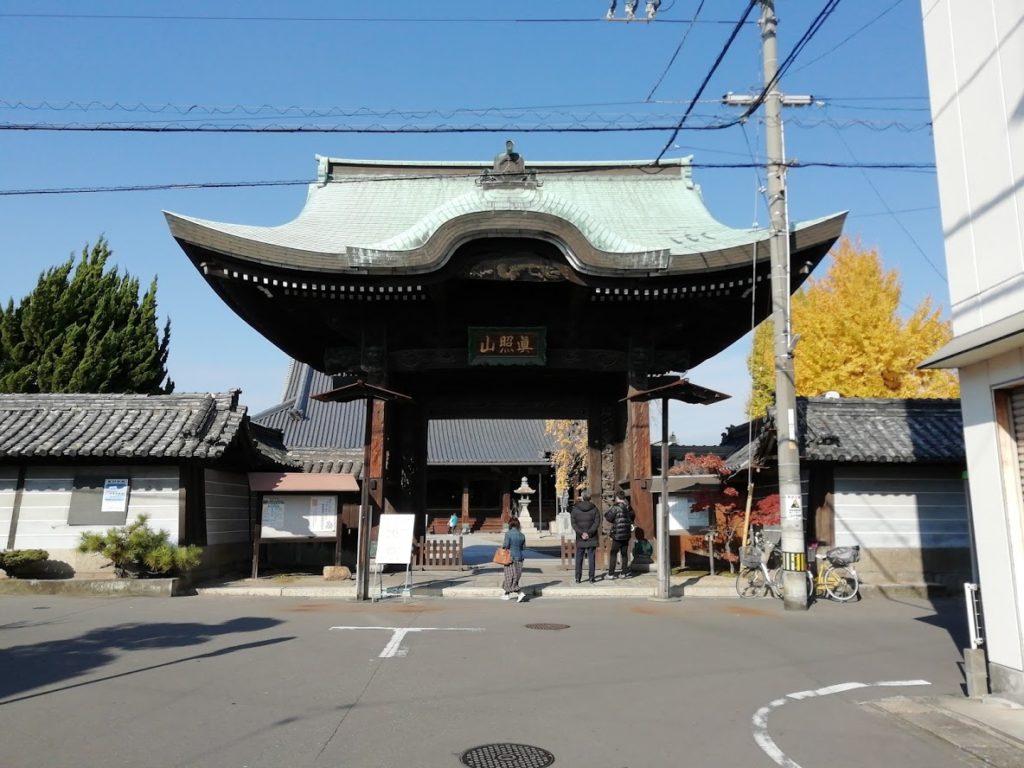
(547, 626)
(507, 756)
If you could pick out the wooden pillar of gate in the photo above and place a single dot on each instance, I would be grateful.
(638, 432)
(639, 446)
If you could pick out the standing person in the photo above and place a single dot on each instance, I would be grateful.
(585, 521)
(453, 523)
(514, 542)
(621, 518)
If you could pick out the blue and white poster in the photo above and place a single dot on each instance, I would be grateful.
(115, 496)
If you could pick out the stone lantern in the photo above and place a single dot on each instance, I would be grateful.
(524, 491)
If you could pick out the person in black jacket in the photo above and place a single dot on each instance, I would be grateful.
(585, 521)
(621, 518)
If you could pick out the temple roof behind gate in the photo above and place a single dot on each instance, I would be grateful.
(609, 218)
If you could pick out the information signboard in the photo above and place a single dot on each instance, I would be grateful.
(394, 539)
(298, 516)
(115, 496)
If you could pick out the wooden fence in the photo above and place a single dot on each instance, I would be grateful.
(568, 553)
(440, 554)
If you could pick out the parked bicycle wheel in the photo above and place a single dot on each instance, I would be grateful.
(777, 582)
(841, 583)
(750, 582)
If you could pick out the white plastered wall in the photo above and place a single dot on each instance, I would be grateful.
(975, 54)
(997, 508)
(46, 500)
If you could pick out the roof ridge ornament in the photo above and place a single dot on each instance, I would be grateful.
(509, 171)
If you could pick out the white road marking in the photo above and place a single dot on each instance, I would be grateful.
(393, 647)
(760, 718)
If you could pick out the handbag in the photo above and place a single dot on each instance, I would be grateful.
(502, 556)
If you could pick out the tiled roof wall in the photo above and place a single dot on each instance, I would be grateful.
(122, 426)
(881, 430)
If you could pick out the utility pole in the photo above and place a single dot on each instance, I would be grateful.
(794, 548)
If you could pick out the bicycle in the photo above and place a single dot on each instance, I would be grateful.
(755, 578)
(839, 580)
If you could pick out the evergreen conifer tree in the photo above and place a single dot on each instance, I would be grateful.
(83, 328)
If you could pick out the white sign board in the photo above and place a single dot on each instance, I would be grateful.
(682, 517)
(791, 508)
(323, 514)
(273, 513)
(115, 496)
(298, 516)
(394, 539)
(678, 514)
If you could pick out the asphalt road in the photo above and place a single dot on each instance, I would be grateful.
(203, 681)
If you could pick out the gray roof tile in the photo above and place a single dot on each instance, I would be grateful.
(194, 426)
(311, 424)
(881, 430)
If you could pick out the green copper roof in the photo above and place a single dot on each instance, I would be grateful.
(606, 217)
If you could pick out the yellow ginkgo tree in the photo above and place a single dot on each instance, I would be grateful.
(853, 339)
(569, 453)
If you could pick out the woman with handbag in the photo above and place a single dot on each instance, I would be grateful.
(514, 542)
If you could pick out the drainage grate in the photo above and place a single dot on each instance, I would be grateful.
(547, 626)
(507, 756)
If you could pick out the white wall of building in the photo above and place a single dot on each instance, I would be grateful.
(879, 510)
(46, 501)
(975, 53)
(998, 509)
(976, 80)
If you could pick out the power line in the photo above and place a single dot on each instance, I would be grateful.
(334, 19)
(707, 78)
(294, 110)
(888, 166)
(675, 53)
(809, 33)
(848, 38)
(595, 123)
(323, 129)
(892, 212)
(895, 218)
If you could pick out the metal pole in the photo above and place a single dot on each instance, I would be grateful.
(794, 552)
(540, 504)
(363, 540)
(664, 566)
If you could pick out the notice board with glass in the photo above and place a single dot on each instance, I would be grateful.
(299, 516)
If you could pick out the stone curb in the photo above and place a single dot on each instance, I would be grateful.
(120, 587)
(705, 587)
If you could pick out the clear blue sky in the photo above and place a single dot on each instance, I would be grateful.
(416, 63)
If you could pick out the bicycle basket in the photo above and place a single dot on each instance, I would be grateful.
(750, 557)
(843, 555)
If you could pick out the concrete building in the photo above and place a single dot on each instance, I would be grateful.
(975, 55)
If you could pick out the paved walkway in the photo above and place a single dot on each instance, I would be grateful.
(543, 576)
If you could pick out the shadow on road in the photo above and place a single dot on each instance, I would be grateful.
(39, 665)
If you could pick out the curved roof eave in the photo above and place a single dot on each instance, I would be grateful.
(434, 254)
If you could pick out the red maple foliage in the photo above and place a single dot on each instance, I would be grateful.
(726, 504)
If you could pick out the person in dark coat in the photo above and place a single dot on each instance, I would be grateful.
(585, 521)
(621, 518)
